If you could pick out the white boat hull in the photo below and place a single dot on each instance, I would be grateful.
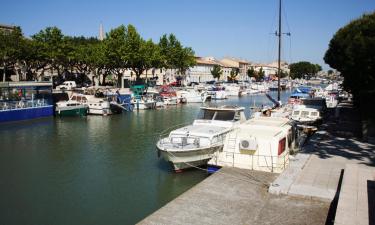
(183, 159)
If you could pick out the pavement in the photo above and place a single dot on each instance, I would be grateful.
(321, 163)
(236, 196)
(356, 203)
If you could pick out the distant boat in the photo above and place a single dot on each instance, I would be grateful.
(96, 106)
(194, 145)
(71, 108)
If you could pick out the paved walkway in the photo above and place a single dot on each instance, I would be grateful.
(323, 159)
(357, 196)
(235, 196)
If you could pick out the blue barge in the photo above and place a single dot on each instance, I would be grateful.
(25, 100)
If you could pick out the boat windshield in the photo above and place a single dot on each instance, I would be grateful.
(222, 115)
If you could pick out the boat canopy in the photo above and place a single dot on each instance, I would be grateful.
(224, 113)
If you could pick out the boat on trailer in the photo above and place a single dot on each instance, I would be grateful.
(195, 144)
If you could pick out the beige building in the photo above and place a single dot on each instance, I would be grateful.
(201, 72)
(7, 28)
(243, 65)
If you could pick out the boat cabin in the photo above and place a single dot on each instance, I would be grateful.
(261, 143)
(306, 115)
(221, 115)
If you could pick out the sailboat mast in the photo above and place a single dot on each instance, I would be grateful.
(279, 58)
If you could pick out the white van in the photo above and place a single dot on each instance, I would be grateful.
(67, 85)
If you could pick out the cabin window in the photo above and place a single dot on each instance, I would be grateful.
(296, 113)
(282, 143)
(314, 114)
(74, 98)
(304, 113)
(290, 138)
(206, 114)
(224, 115)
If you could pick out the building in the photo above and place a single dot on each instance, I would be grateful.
(7, 28)
(201, 72)
(243, 66)
(271, 69)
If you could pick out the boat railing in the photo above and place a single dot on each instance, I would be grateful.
(22, 104)
(269, 163)
(165, 133)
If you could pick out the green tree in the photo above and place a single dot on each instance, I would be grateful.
(260, 74)
(11, 45)
(233, 74)
(251, 72)
(216, 72)
(116, 52)
(53, 47)
(303, 69)
(330, 72)
(351, 53)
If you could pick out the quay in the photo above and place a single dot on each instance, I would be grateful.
(330, 181)
(237, 196)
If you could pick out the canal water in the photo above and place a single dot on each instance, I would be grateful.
(94, 170)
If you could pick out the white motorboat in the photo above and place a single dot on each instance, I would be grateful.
(195, 144)
(143, 102)
(306, 115)
(70, 108)
(170, 100)
(97, 106)
(192, 96)
(232, 89)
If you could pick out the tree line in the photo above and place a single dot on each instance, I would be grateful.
(304, 69)
(122, 48)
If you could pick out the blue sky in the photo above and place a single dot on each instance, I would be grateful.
(239, 28)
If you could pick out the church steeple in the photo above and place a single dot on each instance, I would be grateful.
(101, 32)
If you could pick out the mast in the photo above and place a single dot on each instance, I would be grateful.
(279, 58)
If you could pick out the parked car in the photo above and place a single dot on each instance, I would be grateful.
(67, 85)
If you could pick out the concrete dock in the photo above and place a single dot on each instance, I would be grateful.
(330, 180)
(235, 196)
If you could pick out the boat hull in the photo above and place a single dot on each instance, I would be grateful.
(183, 159)
(25, 113)
(71, 111)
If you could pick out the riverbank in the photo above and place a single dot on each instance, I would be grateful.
(235, 196)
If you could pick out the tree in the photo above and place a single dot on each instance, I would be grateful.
(53, 47)
(10, 49)
(260, 74)
(174, 56)
(351, 53)
(233, 74)
(251, 72)
(116, 52)
(303, 69)
(216, 72)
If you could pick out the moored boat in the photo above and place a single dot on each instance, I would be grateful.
(195, 144)
(71, 108)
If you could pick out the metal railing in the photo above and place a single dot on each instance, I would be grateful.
(263, 162)
(22, 104)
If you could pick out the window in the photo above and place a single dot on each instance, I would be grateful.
(314, 114)
(281, 149)
(304, 114)
(224, 115)
(205, 114)
(296, 113)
